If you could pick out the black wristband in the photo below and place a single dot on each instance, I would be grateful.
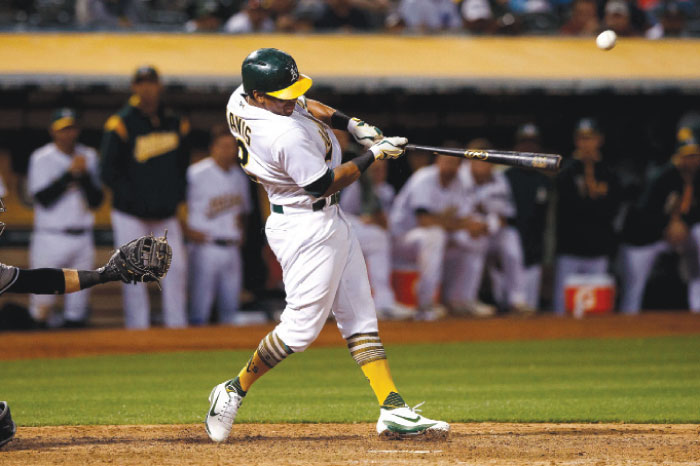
(364, 161)
(89, 278)
(339, 120)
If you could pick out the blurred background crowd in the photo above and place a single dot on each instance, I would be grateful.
(644, 18)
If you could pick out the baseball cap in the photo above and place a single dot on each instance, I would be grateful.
(527, 131)
(63, 118)
(587, 126)
(618, 7)
(688, 141)
(145, 73)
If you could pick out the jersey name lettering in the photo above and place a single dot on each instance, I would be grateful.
(239, 126)
(154, 144)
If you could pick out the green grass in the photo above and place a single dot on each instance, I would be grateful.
(613, 380)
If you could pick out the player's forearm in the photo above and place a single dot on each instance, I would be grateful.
(55, 281)
(52, 192)
(343, 176)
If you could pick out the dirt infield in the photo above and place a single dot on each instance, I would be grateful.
(339, 444)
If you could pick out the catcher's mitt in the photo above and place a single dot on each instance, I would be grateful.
(145, 259)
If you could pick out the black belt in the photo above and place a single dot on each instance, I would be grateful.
(316, 206)
(67, 231)
(224, 242)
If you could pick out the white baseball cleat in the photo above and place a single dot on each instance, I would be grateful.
(225, 401)
(406, 422)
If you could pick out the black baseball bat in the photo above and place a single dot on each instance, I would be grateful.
(546, 162)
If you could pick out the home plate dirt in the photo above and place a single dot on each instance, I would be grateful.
(315, 444)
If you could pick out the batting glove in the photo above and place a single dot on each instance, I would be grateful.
(364, 133)
(389, 148)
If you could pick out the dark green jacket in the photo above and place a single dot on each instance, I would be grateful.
(144, 161)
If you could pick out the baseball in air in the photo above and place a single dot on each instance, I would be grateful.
(606, 40)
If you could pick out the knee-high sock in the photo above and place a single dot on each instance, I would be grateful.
(270, 352)
(367, 350)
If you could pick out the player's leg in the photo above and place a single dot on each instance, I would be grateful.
(312, 261)
(463, 270)
(203, 277)
(507, 243)
(376, 248)
(636, 262)
(45, 250)
(175, 282)
(693, 258)
(229, 281)
(565, 265)
(427, 246)
(137, 308)
(83, 258)
(356, 319)
(533, 280)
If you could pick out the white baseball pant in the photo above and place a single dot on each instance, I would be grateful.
(137, 309)
(376, 247)
(323, 270)
(566, 265)
(215, 274)
(636, 262)
(60, 250)
(531, 279)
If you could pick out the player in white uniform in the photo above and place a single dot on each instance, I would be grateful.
(63, 180)
(293, 153)
(494, 206)
(217, 203)
(433, 227)
(368, 203)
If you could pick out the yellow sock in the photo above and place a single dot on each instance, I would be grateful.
(379, 376)
(252, 371)
(271, 351)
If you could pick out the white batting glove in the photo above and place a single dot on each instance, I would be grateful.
(364, 133)
(389, 148)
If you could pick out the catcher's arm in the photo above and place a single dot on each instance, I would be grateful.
(141, 260)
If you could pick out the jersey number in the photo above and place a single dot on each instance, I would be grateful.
(242, 152)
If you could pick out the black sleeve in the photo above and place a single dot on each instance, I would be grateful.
(39, 281)
(113, 167)
(321, 185)
(92, 192)
(52, 192)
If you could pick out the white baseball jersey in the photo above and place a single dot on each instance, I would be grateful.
(71, 210)
(321, 259)
(423, 191)
(216, 198)
(493, 197)
(351, 197)
(282, 153)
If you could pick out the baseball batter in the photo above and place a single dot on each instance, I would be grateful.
(217, 203)
(63, 180)
(666, 218)
(293, 153)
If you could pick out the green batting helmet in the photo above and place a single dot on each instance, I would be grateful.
(274, 73)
